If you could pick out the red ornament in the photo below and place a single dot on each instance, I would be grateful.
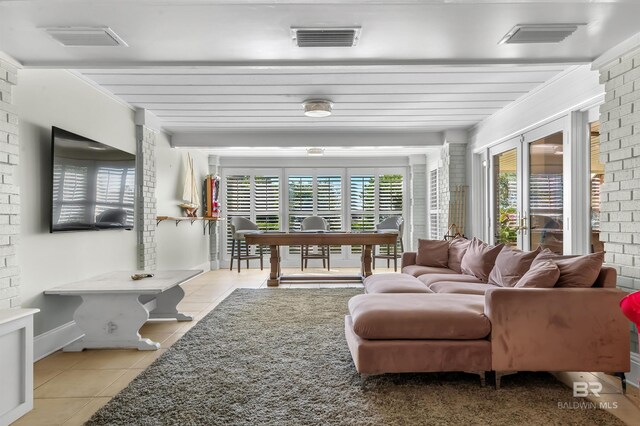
(630, 306)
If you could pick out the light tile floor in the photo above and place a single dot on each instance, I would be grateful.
(70, 387)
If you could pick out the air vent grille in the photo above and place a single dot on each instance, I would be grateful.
(325, 37)
(539, 33)
(85, 36)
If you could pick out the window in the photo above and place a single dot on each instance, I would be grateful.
(319, 195)
(256, 198)
(350, 199)
(374, 197)
(433, 205)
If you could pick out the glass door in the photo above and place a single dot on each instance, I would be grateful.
(527, 190)
(546, 193)
(506, 216)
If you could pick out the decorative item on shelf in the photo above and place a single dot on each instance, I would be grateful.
(137, 277)
(190, 197)
(211, 194)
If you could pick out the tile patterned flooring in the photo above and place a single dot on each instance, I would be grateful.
(70, 387)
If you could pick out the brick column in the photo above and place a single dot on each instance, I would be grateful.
(146, 199)
(9, 192)
(620, 153)
(452, 177)
(216, 227)
(418, 228)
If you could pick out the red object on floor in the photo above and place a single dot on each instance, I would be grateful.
(630, 306)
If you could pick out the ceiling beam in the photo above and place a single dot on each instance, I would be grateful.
(306, 138)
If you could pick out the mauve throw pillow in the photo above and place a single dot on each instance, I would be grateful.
(479, 259)
(457, 249)
(575, 271)
(433, 253)
(511, 265)
(544, 274)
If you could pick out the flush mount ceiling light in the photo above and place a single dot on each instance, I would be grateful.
(315, 152)
(539, 33)
(317, 108)
(85, 36)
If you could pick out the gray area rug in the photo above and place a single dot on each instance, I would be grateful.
(279, 357)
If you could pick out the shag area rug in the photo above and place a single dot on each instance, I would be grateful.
(279, 357)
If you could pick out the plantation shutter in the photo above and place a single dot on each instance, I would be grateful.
(238, 195)
(301, 193)
(266, 203)
(363, 194)
(390, 193)
(238, 191)
(433, 204)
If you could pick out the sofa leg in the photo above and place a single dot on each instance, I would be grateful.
(500, 375)
(482, 376)
(623, 381)
(363, 378)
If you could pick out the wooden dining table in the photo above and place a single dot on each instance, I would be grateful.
(327, 238)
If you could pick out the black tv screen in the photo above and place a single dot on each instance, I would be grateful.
(93, 184)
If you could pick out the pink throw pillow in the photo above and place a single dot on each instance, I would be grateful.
(575, 271)
(433, 253)
(511, 265)
(457, 248)
(479, 259)
(543, 274)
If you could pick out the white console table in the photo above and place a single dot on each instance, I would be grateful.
(16, 368)
(114, 307)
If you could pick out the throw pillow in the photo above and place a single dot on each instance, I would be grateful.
(457, 249)
(433, 253)
(511, 265)
(575, 271)
(479, 259)
(543, 274)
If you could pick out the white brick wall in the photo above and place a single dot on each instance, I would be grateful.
(9, 192)
(620, 153)
(419, 207)
(146, 201)
(452, 174)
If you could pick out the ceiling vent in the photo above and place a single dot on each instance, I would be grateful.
(85, 36)
(539, 33)
(325, 37)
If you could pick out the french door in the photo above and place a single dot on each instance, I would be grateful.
(526, 181)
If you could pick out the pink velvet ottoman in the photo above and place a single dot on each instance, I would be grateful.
(403, 333)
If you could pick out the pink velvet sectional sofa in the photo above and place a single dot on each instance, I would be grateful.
(467, 306)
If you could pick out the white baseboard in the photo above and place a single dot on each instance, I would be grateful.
(633, 377)
(47, 343)
(206, 266)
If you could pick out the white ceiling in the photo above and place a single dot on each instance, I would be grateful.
(420, 65)
(392, 97)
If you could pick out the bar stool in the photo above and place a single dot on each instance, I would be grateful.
(314, 223)
(393, 224)
(239, 228)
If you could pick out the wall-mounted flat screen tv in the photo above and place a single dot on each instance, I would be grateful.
(93, 184)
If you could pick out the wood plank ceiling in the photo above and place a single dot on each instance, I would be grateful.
(424, 98)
